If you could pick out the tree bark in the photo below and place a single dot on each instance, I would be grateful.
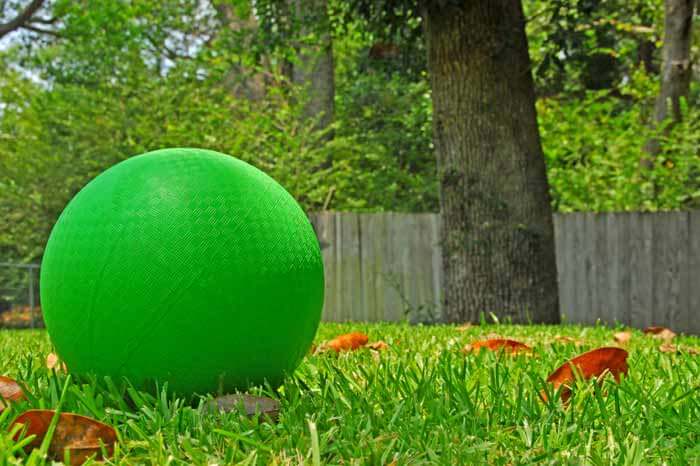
(677, 68)
(645, 55)
(314, 68)
(497, 233)
(242, 81)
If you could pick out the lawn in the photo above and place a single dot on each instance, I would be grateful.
(421, 401)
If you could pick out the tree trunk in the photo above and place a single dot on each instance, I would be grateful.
(497, 233)
(314, 67)
(645, 56)
(677, 69)
(240, 80)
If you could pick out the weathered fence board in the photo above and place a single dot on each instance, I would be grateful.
(638, 269)
(641, 269)
(693, 316)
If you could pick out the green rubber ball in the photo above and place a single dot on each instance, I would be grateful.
(186, 267)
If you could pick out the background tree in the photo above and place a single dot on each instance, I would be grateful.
(17, 15)
(313, 67)
(114, 79)
(497, 233)
(245, 80)
(677, 67)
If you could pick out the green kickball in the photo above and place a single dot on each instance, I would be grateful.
(186, 267)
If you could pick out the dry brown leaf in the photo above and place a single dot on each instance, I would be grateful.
(52, 362)
(464, 327)
(566, 340)
(252, 405)
(79, 435)
(622, 337)
(669, 348)
(596, 363)
(378, 345)
(661, 333)
(347, 342)
(9, 390)
(496, 344)
(666, 335)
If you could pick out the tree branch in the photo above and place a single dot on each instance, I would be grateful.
(51, 20)
(31, 27)
(22, 18)
(162, 48)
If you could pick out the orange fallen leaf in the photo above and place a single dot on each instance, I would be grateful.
(349, 341)
(622, 337)
(9, 390)
(52, 362)
(378, 345)
(496, 344)
(79, 435)
(662, 333)
(596, 363)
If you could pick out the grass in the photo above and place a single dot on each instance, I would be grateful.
(420, 402)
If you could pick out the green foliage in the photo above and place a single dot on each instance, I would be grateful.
(594, 153)
(590, 44)
(419, 402)
(126, 77)
(64, 137)
(391, 118)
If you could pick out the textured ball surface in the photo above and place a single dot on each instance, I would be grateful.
(183, 266)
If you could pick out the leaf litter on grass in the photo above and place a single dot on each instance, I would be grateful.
(622, 337)
(53, 362)
(662, 333)
(350, 342)
(669, 347)
(378, 345)
(372, 413)
(10, 390)
(345, 342)
(497, 344)
(78, 436)
(593, 364)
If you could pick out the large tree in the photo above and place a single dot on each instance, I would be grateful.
(497, 233)
(677, 68)
(313, 66)
(242, 24)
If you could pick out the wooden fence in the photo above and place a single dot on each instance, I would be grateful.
(635, 268)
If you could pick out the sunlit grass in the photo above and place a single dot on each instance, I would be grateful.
(420, 402)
